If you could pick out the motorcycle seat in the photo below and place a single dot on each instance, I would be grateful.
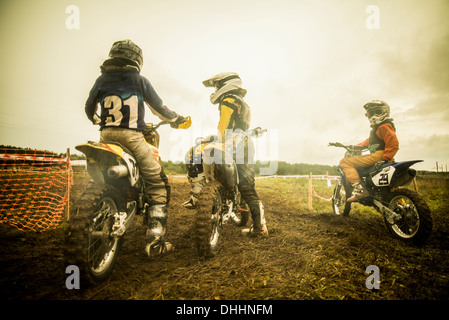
(118, 144)
(364, 172)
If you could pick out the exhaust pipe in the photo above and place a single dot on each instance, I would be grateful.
(118, 171)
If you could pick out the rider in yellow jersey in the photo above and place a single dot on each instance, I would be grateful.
(235, 117)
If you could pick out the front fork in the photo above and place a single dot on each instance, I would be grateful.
(231, 205)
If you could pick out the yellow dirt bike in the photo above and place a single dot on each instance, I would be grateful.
(107, 207)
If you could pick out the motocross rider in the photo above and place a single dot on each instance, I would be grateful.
(121, 92)
(382, 143)
(235, 114)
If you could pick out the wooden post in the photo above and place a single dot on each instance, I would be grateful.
(310, 191)
(67, 214)
(415, 184)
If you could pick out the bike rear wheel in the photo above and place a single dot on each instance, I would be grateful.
(88, 241)
(414, 220)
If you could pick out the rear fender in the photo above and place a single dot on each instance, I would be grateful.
(102, 156)
(394, 174)
(404, 174)
(404, 165)
(225, 169)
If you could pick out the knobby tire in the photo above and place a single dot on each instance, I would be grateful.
(77, 235)
(203, 222)
(424, 213)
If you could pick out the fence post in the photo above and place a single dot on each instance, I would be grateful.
(310, 191)
(67, 214)
(415, 184)
(328, 180)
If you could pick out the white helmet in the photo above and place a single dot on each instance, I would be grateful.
(377, 111)
(226, 82)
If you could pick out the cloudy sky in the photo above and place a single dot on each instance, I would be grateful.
(308, 65)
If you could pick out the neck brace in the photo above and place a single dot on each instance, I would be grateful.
(231, 86)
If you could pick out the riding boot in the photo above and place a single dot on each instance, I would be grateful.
(157, 222)
(358, 192)
(259, 227)
(196, 187)
(191, 203)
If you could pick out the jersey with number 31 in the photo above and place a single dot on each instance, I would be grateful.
(122, 95)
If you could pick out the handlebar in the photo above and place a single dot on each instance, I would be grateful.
(184, 125)
(347, 147)
(155, 126)
(258, 131)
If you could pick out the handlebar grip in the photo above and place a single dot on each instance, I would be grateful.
(335, 144)
(259, 131)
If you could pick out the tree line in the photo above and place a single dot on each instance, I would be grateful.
(283, 168)
(178, 168)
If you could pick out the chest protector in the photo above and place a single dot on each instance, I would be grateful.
(375, 143)
(242, 115)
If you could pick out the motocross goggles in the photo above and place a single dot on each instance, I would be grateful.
(376, 108)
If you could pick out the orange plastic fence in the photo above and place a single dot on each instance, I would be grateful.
(34, 188)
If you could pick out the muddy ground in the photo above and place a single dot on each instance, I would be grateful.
(308, 256)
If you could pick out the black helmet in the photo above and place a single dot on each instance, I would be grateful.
(126, 49)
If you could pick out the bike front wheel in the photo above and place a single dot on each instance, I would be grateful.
(209, 220)
(339, 204)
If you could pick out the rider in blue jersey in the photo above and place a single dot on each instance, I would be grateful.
(121, 92)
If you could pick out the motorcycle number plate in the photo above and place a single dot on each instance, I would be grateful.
(383, 178)
(132, 168)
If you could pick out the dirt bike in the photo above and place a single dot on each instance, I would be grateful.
(220, 199)
(106, 209)
(406, 214)
(240, 215)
